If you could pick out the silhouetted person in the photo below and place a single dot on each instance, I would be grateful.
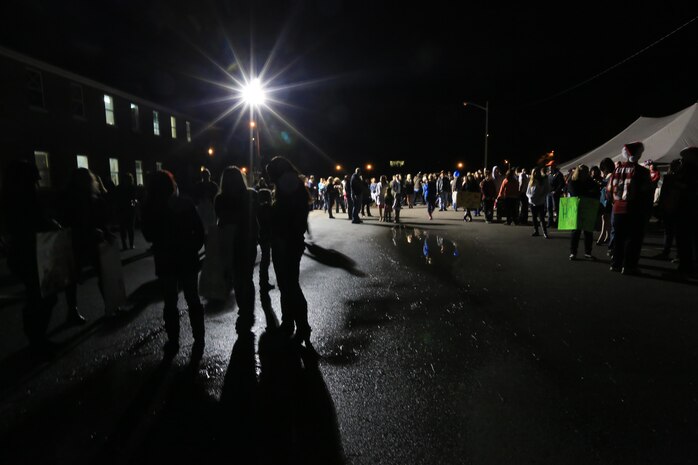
(290, 216)
(356, 190)
(236, 206)
(22, 217)
(557, 184)
(125, 198)
(172, 224)
(331, 195)
(204, 193)
(668, 206)
(264, 217)
(687, 219)
(205, 190)
(86, 212)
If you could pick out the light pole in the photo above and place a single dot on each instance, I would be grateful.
(486, 109)
(254, 137)
(253, 94)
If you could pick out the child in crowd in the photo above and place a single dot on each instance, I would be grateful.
(389, 200)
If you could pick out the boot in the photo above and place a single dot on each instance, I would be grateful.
(74, 317)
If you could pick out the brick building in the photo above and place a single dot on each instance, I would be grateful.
(62, 121)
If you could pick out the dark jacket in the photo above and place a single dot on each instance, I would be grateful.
(290, 209)
(177, 234)
(356, 184)
(588, 188)
(242, 214)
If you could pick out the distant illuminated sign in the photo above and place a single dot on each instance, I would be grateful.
(397, 163)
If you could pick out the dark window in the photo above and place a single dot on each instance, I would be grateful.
(35, 88)
(76, 102)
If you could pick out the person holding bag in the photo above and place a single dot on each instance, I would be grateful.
(86, 213)
(23, 216)
(582, 185)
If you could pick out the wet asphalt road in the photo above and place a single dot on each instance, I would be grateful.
(438, 342)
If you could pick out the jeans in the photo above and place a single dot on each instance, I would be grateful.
(170, 288)
(551, 202)
(286, 256)
(538, 214)
(488, 206)
(588, 239)
(357, 201)
(443, 198)
(629, 232)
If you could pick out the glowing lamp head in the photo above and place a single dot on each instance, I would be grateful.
(338, 167)
(243, 169)
(369, 167)
(253, 93)
(460, 165)
(253, 124)
(210, 151)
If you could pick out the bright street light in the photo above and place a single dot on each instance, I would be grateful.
(460, 166)
(253, 93)
(486, 109)
(338, 167)
(210, 151)
(369, 167)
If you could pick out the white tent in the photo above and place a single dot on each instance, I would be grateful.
(663, 138)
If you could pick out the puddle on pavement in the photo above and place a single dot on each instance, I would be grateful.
(430, 248)
(434, 252)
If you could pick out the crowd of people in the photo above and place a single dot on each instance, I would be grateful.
(176, 226)
(624, 193)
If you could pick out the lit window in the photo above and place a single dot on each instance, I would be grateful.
(41, 160)
(188, 124)
(114, 170)
(139, 173)
(173, 125)
(156, 123)
(76, 101)
(82, 161)
(109, 109)
(135, 120)
(35, 88)
(158, 166)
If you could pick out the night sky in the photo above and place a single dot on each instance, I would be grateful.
(383, 80)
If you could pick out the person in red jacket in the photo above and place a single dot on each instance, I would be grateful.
(630, 190)
(509, 196)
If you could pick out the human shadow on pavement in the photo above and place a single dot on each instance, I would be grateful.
(333, 258)
(296, 409)
(146, 294)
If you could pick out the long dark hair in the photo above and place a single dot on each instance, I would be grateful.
(232, 182)
(283, 174)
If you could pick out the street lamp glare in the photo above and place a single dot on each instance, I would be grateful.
(253, 93)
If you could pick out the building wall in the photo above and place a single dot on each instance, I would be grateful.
(55, 129)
